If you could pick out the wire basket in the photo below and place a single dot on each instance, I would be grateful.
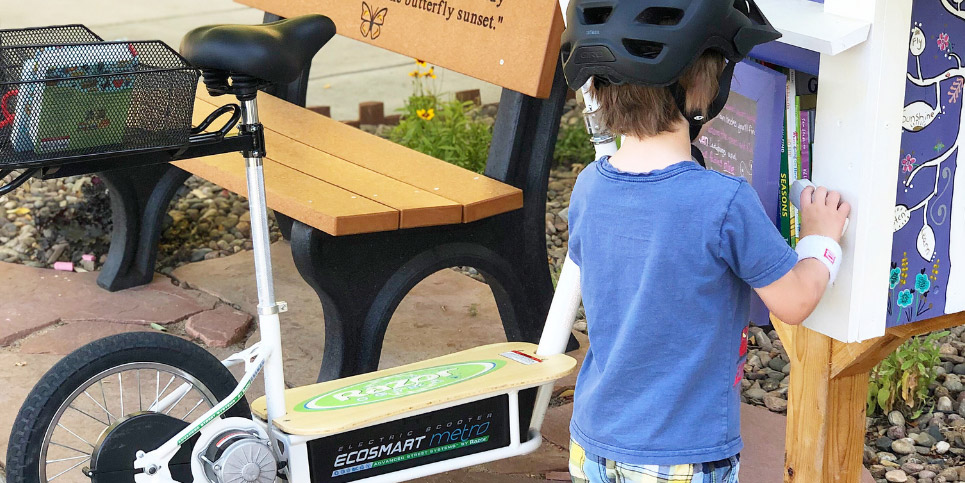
(69, 101)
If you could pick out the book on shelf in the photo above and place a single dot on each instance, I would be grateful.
(793, 166)
(785, 201)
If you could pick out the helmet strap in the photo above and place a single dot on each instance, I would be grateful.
(696, 119)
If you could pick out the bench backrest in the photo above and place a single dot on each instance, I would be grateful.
(510, 43)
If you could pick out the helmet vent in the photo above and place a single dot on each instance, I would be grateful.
(661, 16)
(643, 48)
(596, 15)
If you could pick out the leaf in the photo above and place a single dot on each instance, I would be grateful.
(883, 399)
(905, 365)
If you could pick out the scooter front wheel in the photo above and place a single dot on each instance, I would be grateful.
(90, 413)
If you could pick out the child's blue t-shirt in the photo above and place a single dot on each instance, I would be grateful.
(668, 259)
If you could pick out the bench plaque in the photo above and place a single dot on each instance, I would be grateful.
(511, 43)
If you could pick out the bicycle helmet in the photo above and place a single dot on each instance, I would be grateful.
(652, 42)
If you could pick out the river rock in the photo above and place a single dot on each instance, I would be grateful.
(896, 476)
(903, 446)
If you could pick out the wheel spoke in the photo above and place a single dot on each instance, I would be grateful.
(139, 406)
(72, 458)
(109, 415)
(68, 469)
(103, 396)
(120, 387)
(192, 409)
(185, 393)
(70, 448)
(65, 428)
(156, 400)
(70, 406)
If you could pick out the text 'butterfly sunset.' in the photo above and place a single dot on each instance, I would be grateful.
(372, 23)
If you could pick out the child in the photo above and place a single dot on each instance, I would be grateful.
(669, 252)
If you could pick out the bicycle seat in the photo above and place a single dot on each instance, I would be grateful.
(275, 52)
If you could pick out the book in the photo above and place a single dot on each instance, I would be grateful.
(800, 173)
(80, 104)
(791, 135)
(784, 209)
(20, 134)
(805, 145)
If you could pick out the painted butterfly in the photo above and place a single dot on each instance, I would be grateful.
(372, 24)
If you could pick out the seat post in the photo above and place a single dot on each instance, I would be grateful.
(268, 322)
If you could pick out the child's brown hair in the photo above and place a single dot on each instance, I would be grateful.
(644, 111)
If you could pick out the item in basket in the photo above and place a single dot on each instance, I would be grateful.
(20, 134)
(81, 105)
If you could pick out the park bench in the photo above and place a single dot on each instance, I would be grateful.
(368, 219)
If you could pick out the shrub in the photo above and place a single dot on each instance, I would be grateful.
(448, 130)
(453, 131)
(901, 381)
(573, 145)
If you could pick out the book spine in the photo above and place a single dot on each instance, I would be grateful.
(790, 120)
(805, 145)
(784, 198)
(798, 138)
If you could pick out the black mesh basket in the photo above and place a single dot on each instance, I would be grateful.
(62, 34)
(77, 101)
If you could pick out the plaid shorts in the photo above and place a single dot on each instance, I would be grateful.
(588, 468)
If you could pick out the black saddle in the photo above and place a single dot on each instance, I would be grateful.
(276, 52)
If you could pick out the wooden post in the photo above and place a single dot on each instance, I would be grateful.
(827, 397)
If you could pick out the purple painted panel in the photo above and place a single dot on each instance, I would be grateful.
(789, 56)
(927, 276)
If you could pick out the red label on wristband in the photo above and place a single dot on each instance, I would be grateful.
(829, 256)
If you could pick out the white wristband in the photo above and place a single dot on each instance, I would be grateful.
(823, 249)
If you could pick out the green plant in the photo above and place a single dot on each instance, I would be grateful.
(448, 130)
(573, 144)
(902, 380)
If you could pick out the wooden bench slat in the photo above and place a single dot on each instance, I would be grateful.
(417, 207)
(480, 196)
(339, 212)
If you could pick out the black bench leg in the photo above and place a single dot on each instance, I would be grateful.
(139, 200)
(361, 280)
(284, 225)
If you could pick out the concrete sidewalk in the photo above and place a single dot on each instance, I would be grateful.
(51, 313)
(345, 73)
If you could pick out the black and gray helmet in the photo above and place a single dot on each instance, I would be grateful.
(652, 42)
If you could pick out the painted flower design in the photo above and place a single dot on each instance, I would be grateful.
(922, 282)
(426, 114)
(943, 41)
(895, 276)
(908, 164)
(904, 298)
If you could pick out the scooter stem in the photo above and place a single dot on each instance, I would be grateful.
(268, 323)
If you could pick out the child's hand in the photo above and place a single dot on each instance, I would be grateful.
(823, 213)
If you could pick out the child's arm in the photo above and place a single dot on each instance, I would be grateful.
(794, 296)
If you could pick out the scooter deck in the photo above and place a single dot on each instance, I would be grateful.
(354, 402)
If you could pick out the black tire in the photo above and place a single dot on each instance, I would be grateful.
(71, 372)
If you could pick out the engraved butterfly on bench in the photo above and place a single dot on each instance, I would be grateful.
(372, 24)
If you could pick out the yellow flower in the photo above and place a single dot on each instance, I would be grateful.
(421, 63)
(414, 73)
(431, 73)
(426, 115)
